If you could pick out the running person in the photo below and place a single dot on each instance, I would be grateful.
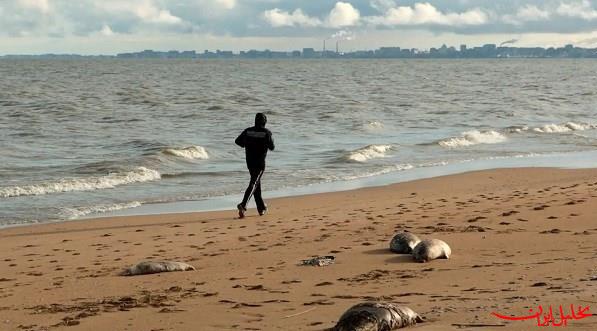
(256, 141)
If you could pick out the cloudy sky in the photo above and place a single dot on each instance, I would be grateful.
(112, 26)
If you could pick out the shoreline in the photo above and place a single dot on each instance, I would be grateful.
(567, 160)
(573, 160)
(520, 238)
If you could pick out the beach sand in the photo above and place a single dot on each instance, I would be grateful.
(520, 238)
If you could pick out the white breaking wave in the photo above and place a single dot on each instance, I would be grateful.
(191, 153)
(566, 127)
(475, 137)
(72, 213)
(369, 152)
(139, 175)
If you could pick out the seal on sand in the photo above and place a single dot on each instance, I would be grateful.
(431, 249)
(376, 316)
(154, 267)
(404, 242)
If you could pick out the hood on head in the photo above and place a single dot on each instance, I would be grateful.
(260, 120)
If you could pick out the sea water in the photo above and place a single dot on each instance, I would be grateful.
(91, 137)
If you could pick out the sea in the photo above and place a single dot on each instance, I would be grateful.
(91, 138)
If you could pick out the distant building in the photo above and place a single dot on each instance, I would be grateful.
(188, 54)
(224, 54)
(388, 52)
(309, 53)
(208, 55)
(489, 50)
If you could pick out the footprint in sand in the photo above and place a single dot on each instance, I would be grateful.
(294, 281)
(324, 284)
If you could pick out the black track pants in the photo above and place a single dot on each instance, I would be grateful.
(254, 188)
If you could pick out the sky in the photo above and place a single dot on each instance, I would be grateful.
(113, 26)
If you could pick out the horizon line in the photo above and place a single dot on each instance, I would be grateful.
(238, 52)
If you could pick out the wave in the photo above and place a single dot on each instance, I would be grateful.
(138, 175)
(474, 137)
(516, 129)
(386, 170)
(566, 127)
(190, 153)
(138, 144)
(373, 126)
(369, 152)
(73, 213)
(203, 173)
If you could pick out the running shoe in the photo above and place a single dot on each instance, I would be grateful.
(241, 210)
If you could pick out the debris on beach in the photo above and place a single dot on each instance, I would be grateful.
(154, 267)
(319, 261)
(377, 316)
(404, 242)
(431, 249)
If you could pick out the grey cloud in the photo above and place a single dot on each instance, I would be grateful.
(468, 17)
(291, 18)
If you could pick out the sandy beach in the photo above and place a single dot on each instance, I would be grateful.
(520, 238)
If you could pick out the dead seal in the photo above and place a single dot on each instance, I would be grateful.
(376, 316)
(154, 267)
(404, 242)
(431, 249)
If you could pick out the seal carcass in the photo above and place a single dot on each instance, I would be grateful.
(154, 267)
(431, 249)
(404, 242)
(377, 316)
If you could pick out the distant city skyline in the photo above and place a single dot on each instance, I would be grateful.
(503, 50)
(116, 26)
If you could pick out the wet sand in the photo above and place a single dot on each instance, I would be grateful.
(520, 238)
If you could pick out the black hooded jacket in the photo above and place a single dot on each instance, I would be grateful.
(256, 141)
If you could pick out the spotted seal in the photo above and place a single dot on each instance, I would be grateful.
(431, 249)
(404, 242)
(154, 267)
(376, 316)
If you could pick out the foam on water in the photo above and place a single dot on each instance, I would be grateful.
(369, 152)
(373, 126)
(138, 175)
(566, 127)
(190, 153)
(474, 137)
(386, 170)
(516, 129)
(77, 212)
